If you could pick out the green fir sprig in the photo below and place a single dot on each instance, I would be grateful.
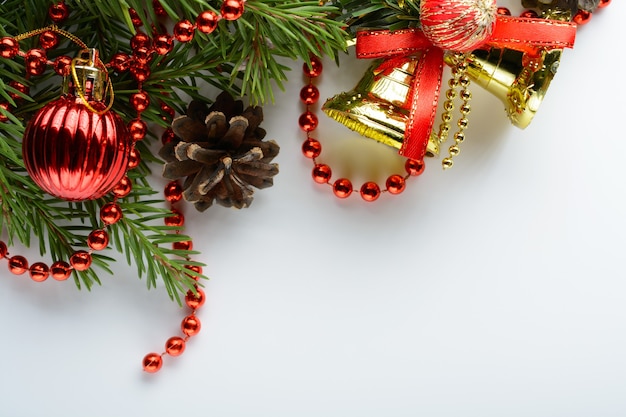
(244, 57)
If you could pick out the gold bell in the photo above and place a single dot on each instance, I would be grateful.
(378, 107)
(518, 80)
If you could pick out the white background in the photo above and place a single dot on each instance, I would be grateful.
(496, 288)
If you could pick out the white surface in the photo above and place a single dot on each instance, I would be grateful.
(494, 289)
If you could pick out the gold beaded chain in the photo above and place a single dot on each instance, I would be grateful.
(459, 78)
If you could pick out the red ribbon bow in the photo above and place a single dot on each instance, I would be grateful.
(522, 34)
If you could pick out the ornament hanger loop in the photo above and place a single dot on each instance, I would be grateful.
(77, 85)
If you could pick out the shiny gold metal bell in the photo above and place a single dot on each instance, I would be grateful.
(378, 107)
(518, 80)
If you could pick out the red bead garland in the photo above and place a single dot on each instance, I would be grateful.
(312, 148)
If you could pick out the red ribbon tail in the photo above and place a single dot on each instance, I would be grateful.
(425, 96)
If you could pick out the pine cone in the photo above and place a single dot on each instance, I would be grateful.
(221, 152)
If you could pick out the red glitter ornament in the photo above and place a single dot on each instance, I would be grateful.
(232, 9)
(457, 25)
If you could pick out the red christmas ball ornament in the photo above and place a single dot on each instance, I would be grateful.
(458, 25)
(74, 148)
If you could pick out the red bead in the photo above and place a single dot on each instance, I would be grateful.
(184, 245)
(49, 40)
(120, 62)
(19, 87)
(190, 325)
(62, 65)
(152, 362)
(529, 14)
(39, 272)
(58, 12)
(195, 301)
(321, 173)
(140, 72)
(342, 188)
(175, 346)
(315, 70)
(309, 94)
(163, 44)
(110, 213)
(395, 184)
(195, 268)
(140, 40)
(604, 3)
(207, 21)
(168, 136)
(134, 18)
(503, 11)
(80, 260)
(18, 265)
(35, 61)
(177, 219)
(4, 107)
(582, 17)
(98, 239)
(158, 8)
(311, 148)
(184, 31)
(308, 121)
(173, 192)
(137, 129)
(140, 101)
(3, 250)
(9, 47)
(414, 167)
(134, 158)
(232, 9)
(60, 270)
(170, 112)
(123, 188)
(370, 191)
(142, 56)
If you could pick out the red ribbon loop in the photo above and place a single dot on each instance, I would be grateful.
(521, 34)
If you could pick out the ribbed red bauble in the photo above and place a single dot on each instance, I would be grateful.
(70, 150)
